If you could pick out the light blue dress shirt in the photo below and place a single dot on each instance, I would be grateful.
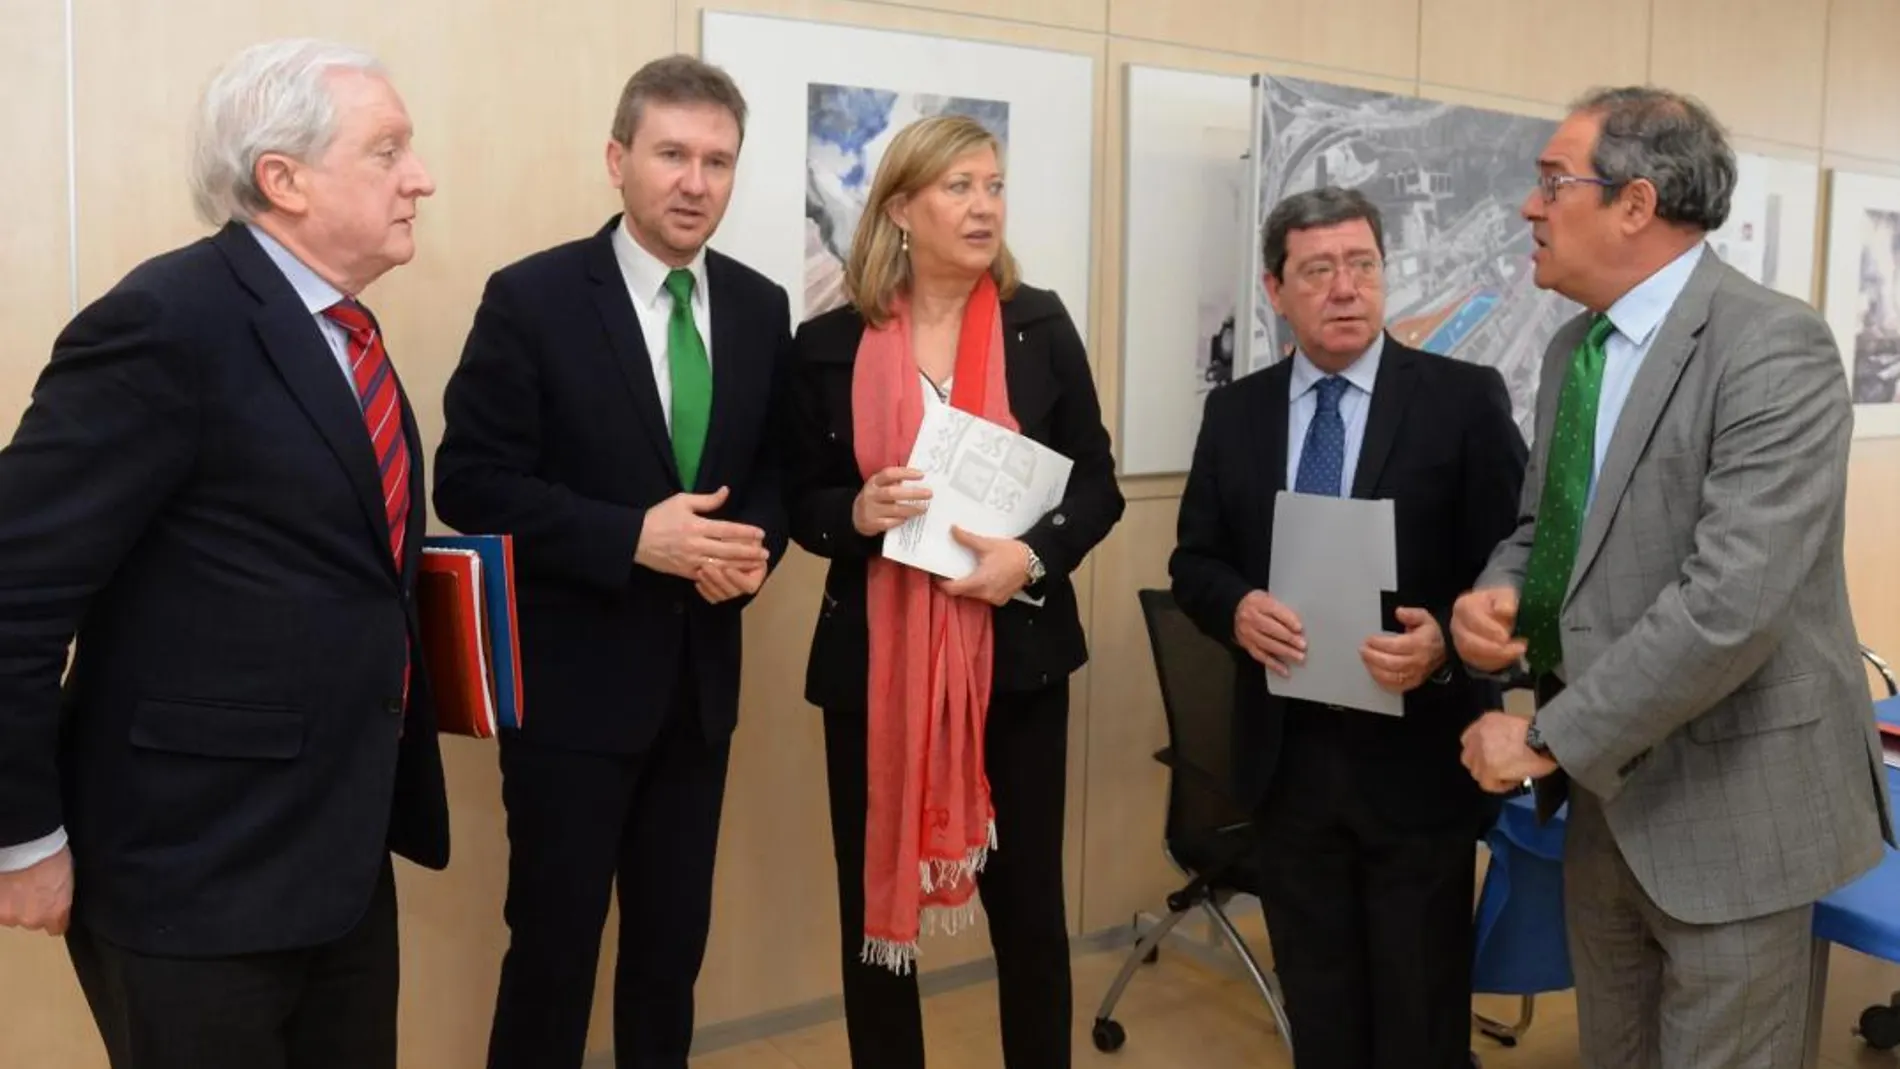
(1637, 317)
(1353, 406)
(316, 294)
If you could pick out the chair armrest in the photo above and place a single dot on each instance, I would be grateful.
(1201, 778)
(1885, 670)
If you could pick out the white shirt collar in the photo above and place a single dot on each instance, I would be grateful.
(1639, 312)
(1362, 372)
(646, 274)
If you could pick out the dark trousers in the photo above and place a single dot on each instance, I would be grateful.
(326, 1007)
(1026, 747)
(577, 824)
(1371, 924)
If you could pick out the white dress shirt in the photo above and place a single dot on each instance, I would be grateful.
(1353, 406)
(645, 277)
(317, 295)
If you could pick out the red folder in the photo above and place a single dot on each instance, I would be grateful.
(455, 641)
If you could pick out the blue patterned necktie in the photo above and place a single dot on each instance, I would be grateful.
(1323, 457)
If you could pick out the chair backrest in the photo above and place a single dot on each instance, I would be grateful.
(1197, 694)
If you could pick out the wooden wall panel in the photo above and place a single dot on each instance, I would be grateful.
(35, 253)
(1127, 871)
(1873, 517)
(46, 1019)
(1069, 14)
(1863, 81)
(1550, 53)
(1366, 36)
(1718, 49)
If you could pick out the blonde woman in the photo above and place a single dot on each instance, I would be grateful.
(946, 702)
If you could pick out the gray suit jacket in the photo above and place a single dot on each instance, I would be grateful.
(1714, 698)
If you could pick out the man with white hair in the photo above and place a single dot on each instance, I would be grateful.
(215, 490)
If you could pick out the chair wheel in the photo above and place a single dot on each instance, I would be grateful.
(1108, 1035)
(1880, 1027)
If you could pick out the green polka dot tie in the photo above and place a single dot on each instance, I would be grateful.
(1567, 472)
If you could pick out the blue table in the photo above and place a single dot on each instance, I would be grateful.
(1520, 947)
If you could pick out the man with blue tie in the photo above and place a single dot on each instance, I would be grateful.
(1367, 823)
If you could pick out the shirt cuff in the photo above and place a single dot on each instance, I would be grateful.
(27, 855)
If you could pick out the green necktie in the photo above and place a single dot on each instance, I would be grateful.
(1567, 472)
(692, 379)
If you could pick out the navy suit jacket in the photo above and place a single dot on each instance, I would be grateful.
(193, 495)
(1439, 442)
(555, 435)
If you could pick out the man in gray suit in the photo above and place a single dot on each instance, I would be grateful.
(1677, 592)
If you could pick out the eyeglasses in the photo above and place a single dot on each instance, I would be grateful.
(1319, 274)
(1551, 183)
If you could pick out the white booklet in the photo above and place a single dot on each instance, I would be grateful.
(983, 478)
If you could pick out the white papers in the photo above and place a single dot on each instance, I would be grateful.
(983, 478)
(1332, 556)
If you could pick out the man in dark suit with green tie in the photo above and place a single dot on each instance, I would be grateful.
(613, 411)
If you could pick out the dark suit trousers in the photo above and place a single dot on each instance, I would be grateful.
(1371, 925)
(1026, 744)
(325, 1007)
(577, 823)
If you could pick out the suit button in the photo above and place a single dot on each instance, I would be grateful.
(679, 608)
(1044, 678)
(1058, 520)
(393, 706)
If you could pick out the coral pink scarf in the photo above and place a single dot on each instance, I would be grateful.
(928, 825)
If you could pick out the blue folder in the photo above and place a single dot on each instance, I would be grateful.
(504, 645)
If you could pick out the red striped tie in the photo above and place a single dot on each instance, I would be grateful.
(382, 414)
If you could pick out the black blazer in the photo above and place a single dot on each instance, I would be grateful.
(555, 435)
(1052, 396)
(193, 494)
(1441, 444)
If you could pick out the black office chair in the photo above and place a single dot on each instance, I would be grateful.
(1209, 836)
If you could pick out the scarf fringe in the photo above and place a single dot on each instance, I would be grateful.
(901, 957)
(941, 874)
(890, 954)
